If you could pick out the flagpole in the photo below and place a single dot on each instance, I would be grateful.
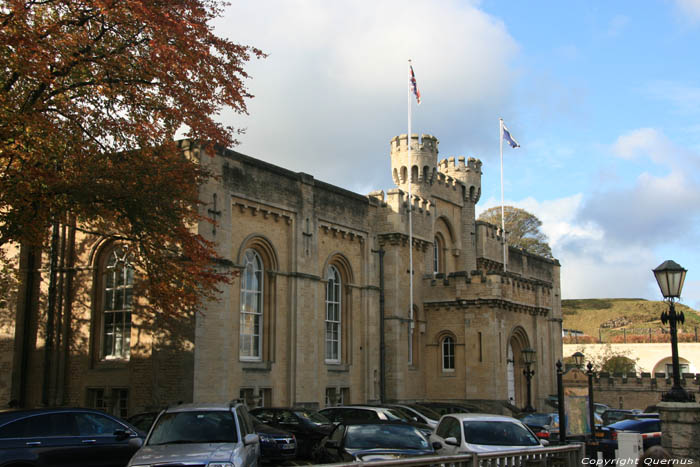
(410, 223)
(503, 218)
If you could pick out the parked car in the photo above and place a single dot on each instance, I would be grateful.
(143, 421)
(379, 440)
(369, 414)
(443, 408)
(615, 415)
(201, 434)
(649, 427)
(545, 425)
(419, 413)
(600, 408)
(462, 433)
(66, 436)
(307, 426)
(275, 444)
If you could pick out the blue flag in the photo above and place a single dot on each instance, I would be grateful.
(509, 139)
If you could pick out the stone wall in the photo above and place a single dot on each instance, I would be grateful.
(637, 391)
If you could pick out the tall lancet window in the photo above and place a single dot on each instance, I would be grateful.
(118, 296)
(251, 307)
(333, 315)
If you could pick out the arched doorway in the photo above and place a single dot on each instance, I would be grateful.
(517, 385)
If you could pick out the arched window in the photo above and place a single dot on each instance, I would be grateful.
(437, 248)
(448, 353)
(117, 299)
(333, 315)
(251, 306)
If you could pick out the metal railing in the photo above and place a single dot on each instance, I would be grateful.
(569, 455)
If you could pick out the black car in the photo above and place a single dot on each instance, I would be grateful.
(649, 427)
(66, 436)
(444, 408)
(372, 413)
(616, 415)
(381, 440)
(545, 425)
(275, 444)
(307, 426)
(143, 421)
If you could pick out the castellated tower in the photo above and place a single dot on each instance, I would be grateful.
(423, 163)
(467, 174)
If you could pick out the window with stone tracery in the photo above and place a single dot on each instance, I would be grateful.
(118, 285)
(333, 315)
(251, 307)
(448, 353)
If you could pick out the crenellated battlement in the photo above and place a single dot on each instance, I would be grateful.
(472, 165)
(455, 179)
(426, 143)
(422, 165)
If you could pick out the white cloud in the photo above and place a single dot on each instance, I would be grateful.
(333, 91)
(689, 9)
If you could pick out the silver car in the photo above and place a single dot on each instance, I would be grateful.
(463, 433)
(212, 435)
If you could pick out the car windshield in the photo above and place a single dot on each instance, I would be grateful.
(203, 426)
(426, 412)
(396, 413)
(538, 419)
(314, 417)
(498, 433)
(384, 437)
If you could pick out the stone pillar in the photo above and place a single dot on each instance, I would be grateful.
(680, 428)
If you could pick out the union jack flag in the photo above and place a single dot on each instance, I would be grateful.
(414, 85)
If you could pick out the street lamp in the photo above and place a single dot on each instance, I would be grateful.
(528, 358)
(561, 402)
(591, 405)
(670, 277)
(578, 359)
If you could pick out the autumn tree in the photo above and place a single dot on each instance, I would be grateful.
(92, 93)
(612, 360)
(523, 230)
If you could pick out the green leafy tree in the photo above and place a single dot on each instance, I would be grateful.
(523, 229)
(613, 361)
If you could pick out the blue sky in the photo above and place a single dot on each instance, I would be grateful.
(602, 96)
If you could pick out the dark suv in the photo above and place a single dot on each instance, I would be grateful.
(66, 436)
(307, 426)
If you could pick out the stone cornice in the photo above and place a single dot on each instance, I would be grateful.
(398, 238)
(507, 305)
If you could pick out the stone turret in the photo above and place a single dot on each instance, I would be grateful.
(468, 173)
(423, 164)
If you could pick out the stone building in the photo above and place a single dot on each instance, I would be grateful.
(321, 311)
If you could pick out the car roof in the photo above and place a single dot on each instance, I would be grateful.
(361, 407)
(201, 406)
(634, 423)
(8, 415)
(377, 422)
(486, 417)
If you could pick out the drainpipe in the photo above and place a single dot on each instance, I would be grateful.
(382, 344)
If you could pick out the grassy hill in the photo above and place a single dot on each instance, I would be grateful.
(625, 318)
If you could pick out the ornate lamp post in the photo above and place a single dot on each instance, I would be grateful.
(591, 404)
(578, 359)
(670, 277)
(562, 409)
(528, 358)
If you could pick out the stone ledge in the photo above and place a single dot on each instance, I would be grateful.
(256, 366)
